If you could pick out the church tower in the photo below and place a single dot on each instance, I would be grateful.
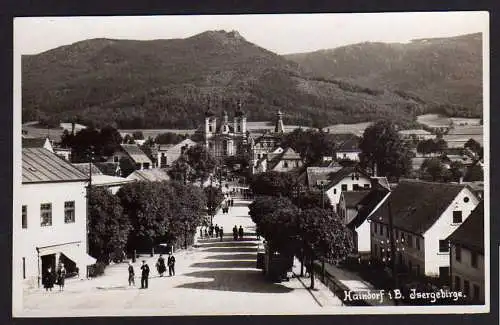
(240, 121)
(279, 127)
(210, 123)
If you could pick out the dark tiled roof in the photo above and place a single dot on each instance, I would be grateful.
(84, 168)
(108, 168)
(366, 205)
(470, 234)
(137, 155)
(349, 145)
(41, 165)
(352, 198)
(417, 205)
(33, 142)
(315, 174)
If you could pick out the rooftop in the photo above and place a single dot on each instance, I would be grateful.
(151, 175)
(33, 142)
(136, 153)
(353, 198)
(40, 165)
(417, 205)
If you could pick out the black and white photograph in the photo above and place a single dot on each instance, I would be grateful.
(251, 164)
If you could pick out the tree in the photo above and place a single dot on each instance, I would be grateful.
(82, 143)
(434, 168)
(266, 205)
(474, 173)
(475, 147)
(310, 199)
(109, 227)
(272, 183)
(214, 198)
(138, 135)
(127, 139)
(180, 170)
(456, 171)
(201, 161)
(279, 228)
(169, 138)
(440, 146)
(109, 141)
(382, 148)
(312, 145)
(127, 167)
(323, 235)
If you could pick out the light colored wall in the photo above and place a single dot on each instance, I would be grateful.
(354, 156)
(465, 271)
(26, 240)
(292, 164)
(334, 192)
(364, 240)
(442, 228)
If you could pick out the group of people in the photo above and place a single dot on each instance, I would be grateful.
(213, 230)
(225, 208)
(160, 267)
(58, 277)
(237, 232)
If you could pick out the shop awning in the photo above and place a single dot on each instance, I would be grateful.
(78, 255)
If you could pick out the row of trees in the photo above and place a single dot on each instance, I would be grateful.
(141, 215)
(293, 221)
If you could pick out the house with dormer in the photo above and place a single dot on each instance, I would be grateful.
(346, 179)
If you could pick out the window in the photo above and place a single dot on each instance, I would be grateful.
(473, 259)
(24, 217)
(345, 155)
(466, 287)
(46, 214)
(334, 191)
(355, 187)
(69, 212)
(24, 267)
(466, 199)
(352, 176)
(458, 284)
(417, 243)
(145, 165)
(115, 159)
(366, 186)
(458, 253)
(285, 164)
(238, 128)
(344, 187)
(457, 216)
(210, 128)
(475, 294)
(443, 246)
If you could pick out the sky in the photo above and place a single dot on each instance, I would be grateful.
(280, 33)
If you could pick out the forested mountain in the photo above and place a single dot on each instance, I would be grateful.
(165, 83)
(439, 71)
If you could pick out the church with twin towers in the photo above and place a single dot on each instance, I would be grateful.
(230, 137)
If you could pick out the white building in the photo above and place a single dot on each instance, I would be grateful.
(167, 154)
(134, 154)
(424, 215)
(52, 225)
(346, 179)
(467, 256)
(348, 149)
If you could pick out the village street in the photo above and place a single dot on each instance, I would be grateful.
(213, 278)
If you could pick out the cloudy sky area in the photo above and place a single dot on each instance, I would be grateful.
(281, 34)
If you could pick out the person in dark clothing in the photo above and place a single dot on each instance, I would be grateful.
(240, 232)
(201, 232)
(48, 279)
(144, 275)
(216, 231)
(211, 231)
(61, 277)
(131, 274)
(221, 233)
(160, 265)
(235, 233)
(171, 264)
(206, 233)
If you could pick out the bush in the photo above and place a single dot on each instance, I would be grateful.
(97, 269)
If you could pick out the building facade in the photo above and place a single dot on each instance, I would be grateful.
(346, 179)
(52, 225)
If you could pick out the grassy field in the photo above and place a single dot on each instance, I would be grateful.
(436, 120)
(357, 128)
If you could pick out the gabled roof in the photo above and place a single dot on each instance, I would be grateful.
(367, 204)
(84, 168)
(33, 142)
(417, 205)
(349, 145)
(108, 168)
(335, 178)
(315, 174)
(470, 234)
(106, 180)
(287, 154)
(175, 151)
(352, 198)
(151, 175)
(164, 147)
(136, 154)
(41, 165)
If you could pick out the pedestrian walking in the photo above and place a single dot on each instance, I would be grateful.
(171, 264)
(61, 276)
(240, 232)
(232, 202)
(144, 275)
(48, 279)
(131, 274)
(235, 232)
(221, 233)
(216, 231)
(206, 233)
(160, 265)
(201, 232)
(211, 231)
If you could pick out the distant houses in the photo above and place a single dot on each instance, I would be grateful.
(134, 155)
(349, 149)
(346, 179)
(280, 160)
(168, 154)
